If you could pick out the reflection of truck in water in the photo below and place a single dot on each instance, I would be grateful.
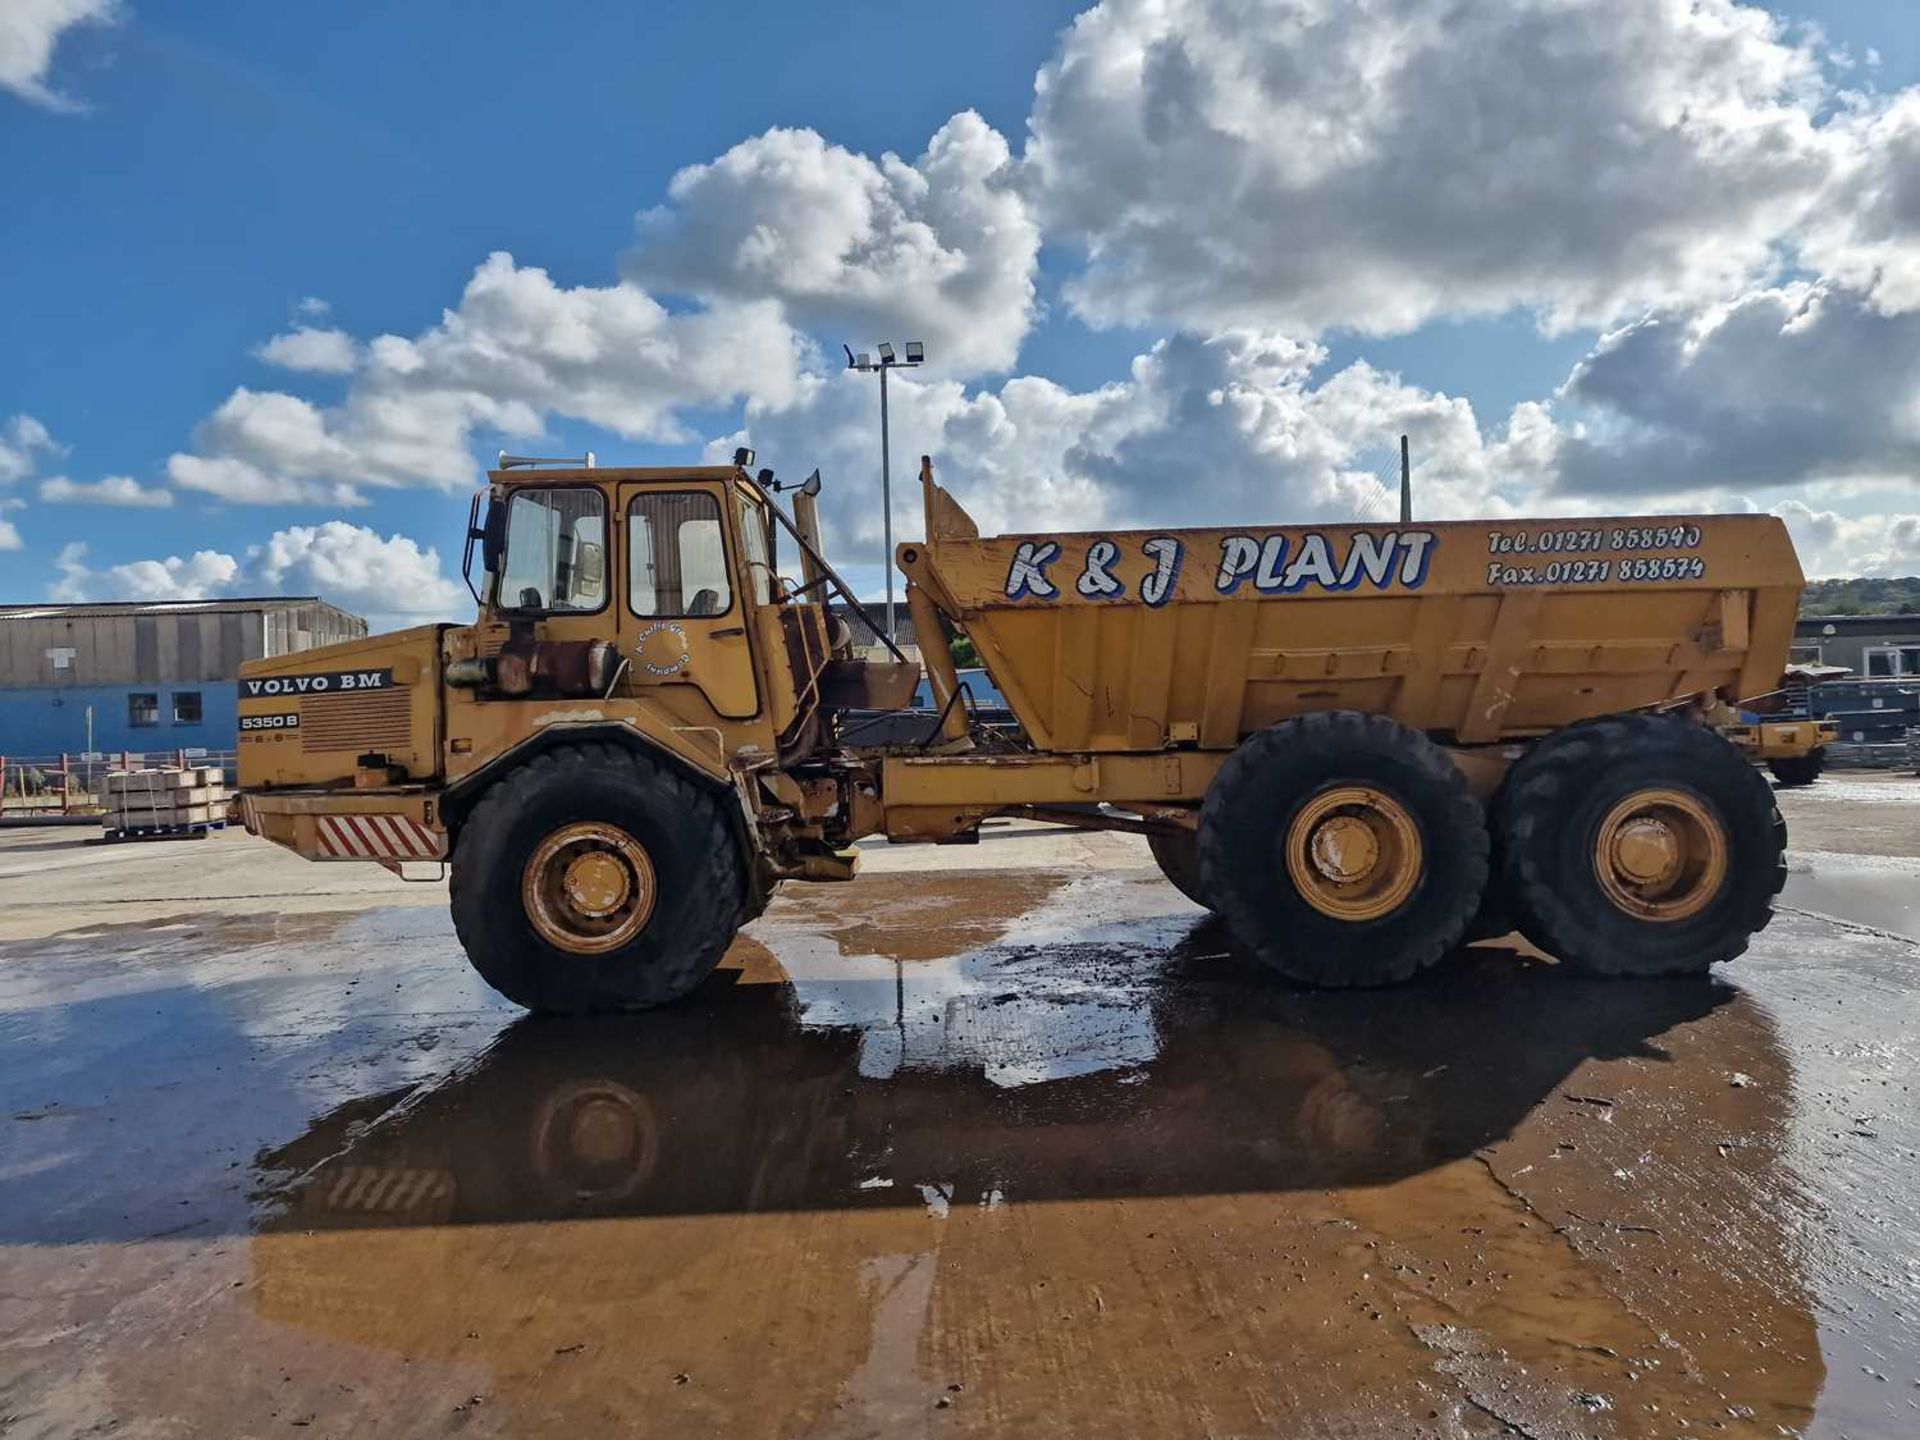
(1343, 739)
(730, 1104)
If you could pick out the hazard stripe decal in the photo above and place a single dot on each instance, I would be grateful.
(375, 837)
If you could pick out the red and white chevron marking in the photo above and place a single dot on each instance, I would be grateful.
(377, 837)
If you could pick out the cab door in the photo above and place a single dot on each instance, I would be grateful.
(685, 621)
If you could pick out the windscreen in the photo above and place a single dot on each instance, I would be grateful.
(556, 556)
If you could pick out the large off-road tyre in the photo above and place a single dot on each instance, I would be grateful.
(1639, 845)
(1343, 849)
(593, 879)
(1798, 770)
(1177, 853)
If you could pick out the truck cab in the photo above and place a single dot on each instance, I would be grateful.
(641, 608)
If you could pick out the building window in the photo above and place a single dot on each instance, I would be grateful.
(186, 707)
(143, 709)
(1892, 660)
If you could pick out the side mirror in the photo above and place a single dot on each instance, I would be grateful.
(493, 537)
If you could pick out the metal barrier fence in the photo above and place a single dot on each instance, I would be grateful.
(72, 783)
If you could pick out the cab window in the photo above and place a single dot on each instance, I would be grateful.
(556, 551)
(677, 556)
(753, 539)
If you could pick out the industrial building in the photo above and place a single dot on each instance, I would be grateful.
(1874, 647)
(144, 675)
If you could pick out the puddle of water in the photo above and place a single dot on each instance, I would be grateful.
(1036, 1129)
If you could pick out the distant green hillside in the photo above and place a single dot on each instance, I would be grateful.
(1862, 597)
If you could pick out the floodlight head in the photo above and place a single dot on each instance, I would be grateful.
(865, 362)
(811, 485)
(743, 457)
(765, 477)
(916, 351)
(886, 353)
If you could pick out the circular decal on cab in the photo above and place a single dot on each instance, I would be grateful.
(662, 649)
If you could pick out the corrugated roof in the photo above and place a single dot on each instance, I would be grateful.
(157, 607)
(1813, 624)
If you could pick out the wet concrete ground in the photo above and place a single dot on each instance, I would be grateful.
(994, 1141)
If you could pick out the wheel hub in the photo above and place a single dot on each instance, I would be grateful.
(597, 884)
(589, 888)
(1354, 853)
(1646, 850)
(1344, 850)
(1661, 855)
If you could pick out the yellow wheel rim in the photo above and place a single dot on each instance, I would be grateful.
(595, 1140)
(1354, 853)
(1660, 855)
(589, 888)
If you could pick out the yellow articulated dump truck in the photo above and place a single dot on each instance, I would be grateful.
(1356, 744)
(1795, 751)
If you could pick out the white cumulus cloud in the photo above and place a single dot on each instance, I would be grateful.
(941, 249)
(517, 349)
(9, 536)
(30, 30)
(321, 352)
(1239, 427)
(1311, 164)
(120, 490)
(23, 440)
(391, 579)
(1784, 386)
(1832, 544)
(199, 576)
(359, 570)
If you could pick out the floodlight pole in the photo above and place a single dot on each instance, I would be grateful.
(886, 499)
(915, 355)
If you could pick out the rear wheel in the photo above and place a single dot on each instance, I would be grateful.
(1798, 770)
(1638, 845)
(593, 879)
(1177, 853)
(1343, 849)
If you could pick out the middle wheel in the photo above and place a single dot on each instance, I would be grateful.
(1343, 849)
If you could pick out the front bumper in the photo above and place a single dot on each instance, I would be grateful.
(388, 827)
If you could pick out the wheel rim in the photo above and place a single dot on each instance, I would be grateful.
(595, 1140)
(589, 888)
(1660, 855)
(1354, 853)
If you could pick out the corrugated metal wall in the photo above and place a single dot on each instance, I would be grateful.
(159, 647)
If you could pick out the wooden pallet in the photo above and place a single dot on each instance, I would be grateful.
(114, 836)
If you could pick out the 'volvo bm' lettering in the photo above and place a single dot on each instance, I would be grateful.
(316, 684)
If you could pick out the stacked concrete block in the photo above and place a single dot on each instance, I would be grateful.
(165, 801)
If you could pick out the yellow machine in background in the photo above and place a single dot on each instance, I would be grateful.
(1345, 739)
(1795, 751)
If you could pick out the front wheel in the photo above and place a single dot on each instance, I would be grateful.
(1343, 849)
(1637, 845)
(593, 879)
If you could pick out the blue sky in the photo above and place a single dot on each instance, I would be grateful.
(217, 164)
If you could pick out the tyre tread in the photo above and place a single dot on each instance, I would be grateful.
(1543, 784)
(708, 832)
(1337, 732)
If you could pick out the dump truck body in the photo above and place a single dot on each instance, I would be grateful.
(648, 727)
(1140, 640)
